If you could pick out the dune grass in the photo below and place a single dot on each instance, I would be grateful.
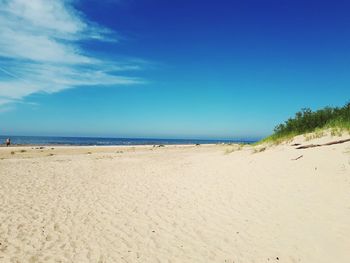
(234, 148)
(337, 119)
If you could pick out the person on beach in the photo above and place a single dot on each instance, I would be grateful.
(8, 142)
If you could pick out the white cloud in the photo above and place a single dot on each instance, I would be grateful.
(40, 52)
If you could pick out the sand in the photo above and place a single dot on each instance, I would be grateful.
(175, 204)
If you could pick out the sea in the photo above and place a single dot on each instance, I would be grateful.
(97, 141)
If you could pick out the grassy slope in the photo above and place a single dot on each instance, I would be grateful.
(337, 120)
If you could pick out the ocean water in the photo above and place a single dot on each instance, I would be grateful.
(90, 141)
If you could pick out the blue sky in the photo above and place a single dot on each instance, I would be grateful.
(168, 69)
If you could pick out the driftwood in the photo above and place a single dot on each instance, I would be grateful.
(297, 158)
(308, 146)
(295, 144)
(325, 144)
(336, 142)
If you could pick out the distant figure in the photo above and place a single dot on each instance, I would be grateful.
(8, 142)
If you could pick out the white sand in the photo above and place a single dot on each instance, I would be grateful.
(175, 204)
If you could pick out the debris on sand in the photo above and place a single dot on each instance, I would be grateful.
(301, 156)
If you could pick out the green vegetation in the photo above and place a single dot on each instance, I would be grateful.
(305, 121)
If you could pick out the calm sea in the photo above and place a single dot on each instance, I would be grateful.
(89, 141)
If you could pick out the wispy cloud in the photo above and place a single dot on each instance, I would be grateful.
(40, 51)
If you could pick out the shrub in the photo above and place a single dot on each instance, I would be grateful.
(306, 121)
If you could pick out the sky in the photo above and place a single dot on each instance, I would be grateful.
(223, 69)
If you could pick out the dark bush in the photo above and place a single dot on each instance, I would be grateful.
(307, 120)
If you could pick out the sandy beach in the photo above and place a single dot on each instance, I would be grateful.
(207, 203)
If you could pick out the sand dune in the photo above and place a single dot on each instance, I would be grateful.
(175, 204)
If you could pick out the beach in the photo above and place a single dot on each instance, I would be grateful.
(178, 203)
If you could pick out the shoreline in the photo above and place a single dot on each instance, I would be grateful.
(39, 146)
(24, 152)
(37, 141)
